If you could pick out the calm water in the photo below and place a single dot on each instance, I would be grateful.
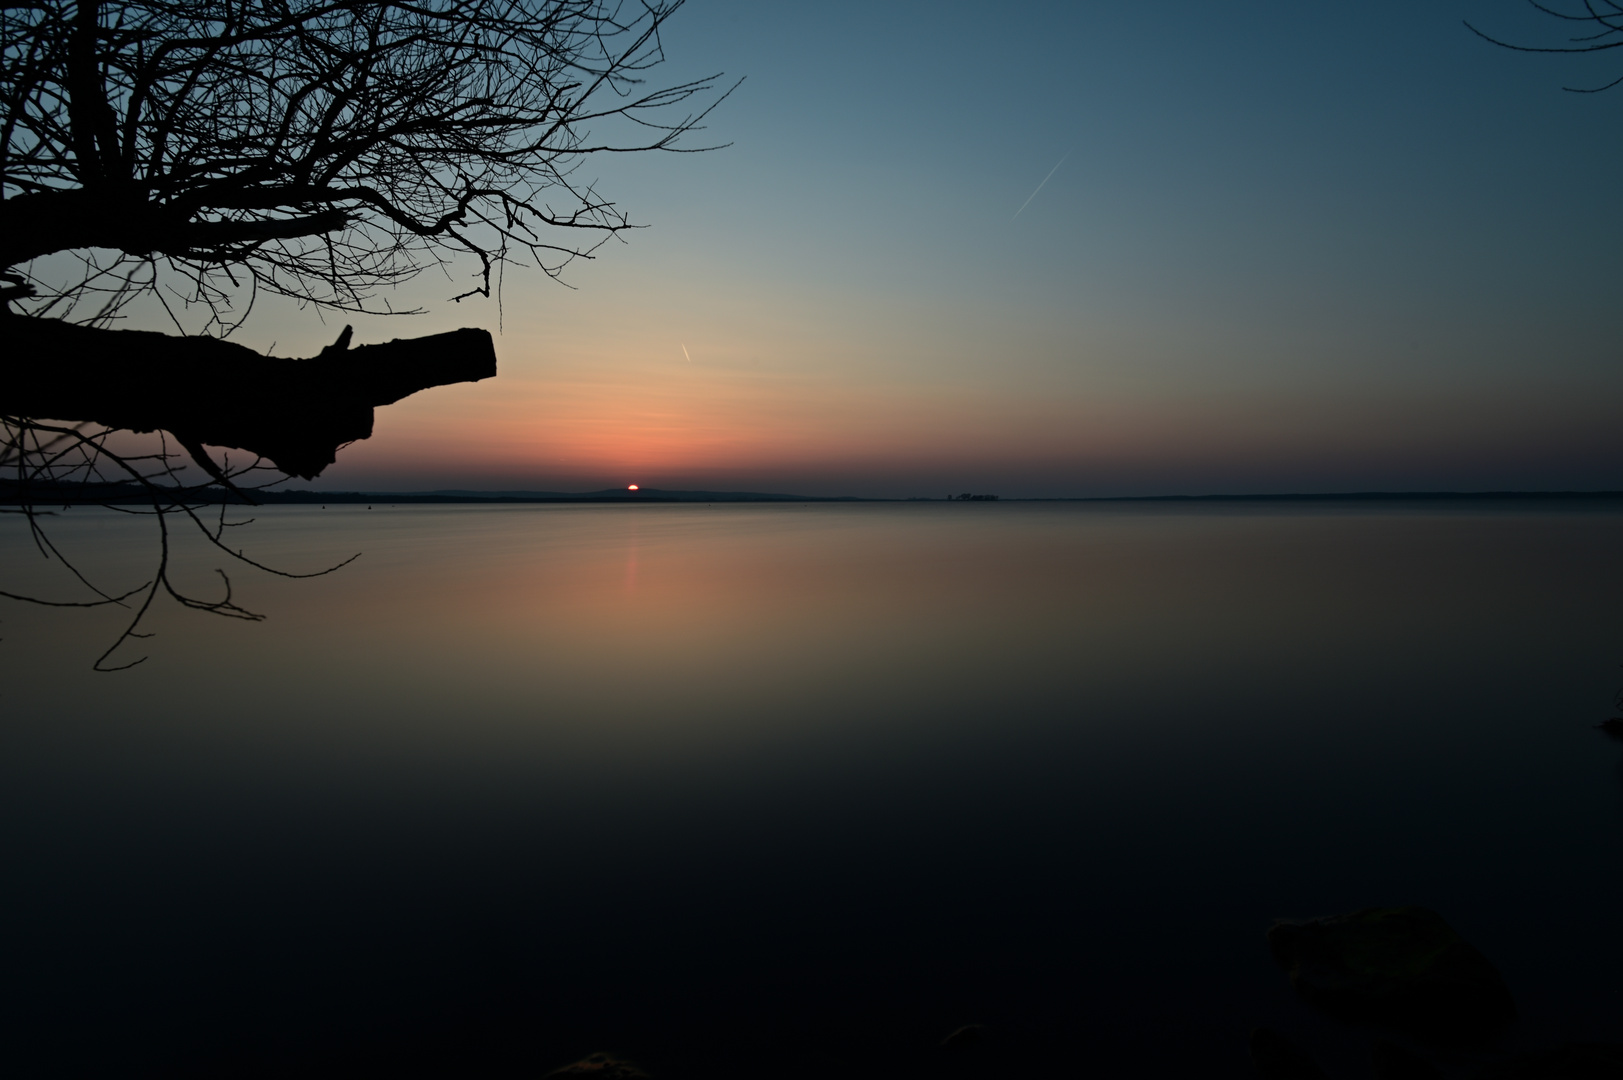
(786, 791)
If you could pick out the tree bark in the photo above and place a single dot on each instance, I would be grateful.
(294, 412)
(125, 218)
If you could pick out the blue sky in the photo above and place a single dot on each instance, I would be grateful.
(1306, 247)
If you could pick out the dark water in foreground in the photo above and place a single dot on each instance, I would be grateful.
(794, 791)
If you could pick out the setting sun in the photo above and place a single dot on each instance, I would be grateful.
(632, 487)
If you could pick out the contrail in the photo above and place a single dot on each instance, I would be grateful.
(1050, 176)
(685, 353)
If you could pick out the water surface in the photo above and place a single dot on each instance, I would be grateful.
(795, 790)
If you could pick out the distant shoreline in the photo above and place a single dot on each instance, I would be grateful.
(656, 496)
(60, 495)
(1353, 496)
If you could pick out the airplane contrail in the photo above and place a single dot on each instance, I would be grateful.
(685, 353)
(1050, 176)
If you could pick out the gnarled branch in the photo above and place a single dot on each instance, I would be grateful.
(294, 412)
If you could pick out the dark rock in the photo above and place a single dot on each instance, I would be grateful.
(1277, 1058)
(1613, 727)
(1403, 966)
(1394, 1062)
(1574, 1061)
(599, 1066)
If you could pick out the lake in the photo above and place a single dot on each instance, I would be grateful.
(796, 790)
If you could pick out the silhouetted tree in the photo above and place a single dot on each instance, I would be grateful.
(200, 152)
(1596, 25)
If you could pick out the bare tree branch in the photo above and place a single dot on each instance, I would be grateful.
(296, 413)
(201, 152)
(324, 149)
(1602, 22)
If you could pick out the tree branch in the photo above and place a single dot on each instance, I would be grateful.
(296, 413)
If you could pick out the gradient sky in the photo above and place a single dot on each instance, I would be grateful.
(1288, 247)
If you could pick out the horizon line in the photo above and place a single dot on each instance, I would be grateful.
(650, 494)
(12, 493)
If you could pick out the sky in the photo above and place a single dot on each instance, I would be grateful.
(1277, 247)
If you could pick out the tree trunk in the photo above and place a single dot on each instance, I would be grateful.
(296, 413)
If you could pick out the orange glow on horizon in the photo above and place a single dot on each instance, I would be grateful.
(572, 415)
